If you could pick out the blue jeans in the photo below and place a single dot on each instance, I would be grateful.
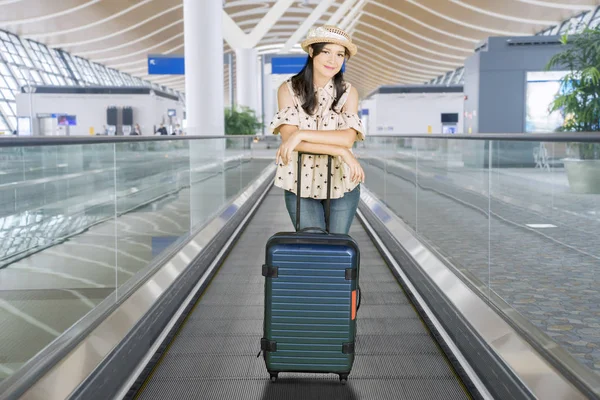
(312, 211)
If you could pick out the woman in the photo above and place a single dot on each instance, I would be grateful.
(318, 114)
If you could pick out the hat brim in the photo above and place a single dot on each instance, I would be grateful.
(352, 49)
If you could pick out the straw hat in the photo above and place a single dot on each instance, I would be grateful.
(329, 34)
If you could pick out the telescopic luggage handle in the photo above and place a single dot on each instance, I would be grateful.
(299, 191)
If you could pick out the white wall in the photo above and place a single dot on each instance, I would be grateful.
(369, 105)
(90, 109)
(272, 86)
(405, 113)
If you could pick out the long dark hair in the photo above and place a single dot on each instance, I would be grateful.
(303, 82)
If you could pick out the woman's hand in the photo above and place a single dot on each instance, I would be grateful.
(357, 174)
(287, 147)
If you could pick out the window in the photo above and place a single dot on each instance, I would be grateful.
(3, 124)
(24, 62)
(73, 67)
(575, 24)
(87, 72)
(595, 20)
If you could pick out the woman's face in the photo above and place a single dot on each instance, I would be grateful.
(329, 61)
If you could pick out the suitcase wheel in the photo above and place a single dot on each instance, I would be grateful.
(343, 378)
(274, 376)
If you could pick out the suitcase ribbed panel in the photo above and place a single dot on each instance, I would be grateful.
(308, 313)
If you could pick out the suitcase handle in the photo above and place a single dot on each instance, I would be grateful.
(299, 191)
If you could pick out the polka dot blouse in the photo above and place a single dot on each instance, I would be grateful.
(314, 168)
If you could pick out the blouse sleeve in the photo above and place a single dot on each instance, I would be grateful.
(352, 120)
(285, 116)
(349, 120)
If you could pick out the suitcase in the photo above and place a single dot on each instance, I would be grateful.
(311, 299)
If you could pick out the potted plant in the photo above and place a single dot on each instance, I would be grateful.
(579, 102)
(242, 121)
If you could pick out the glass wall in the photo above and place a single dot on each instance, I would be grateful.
(79, 223)
(24, 62)
(518, 220)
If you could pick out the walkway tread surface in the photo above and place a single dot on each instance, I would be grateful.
(214, 354)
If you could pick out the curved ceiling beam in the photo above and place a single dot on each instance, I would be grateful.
(38, 36)
(302, 30)
(356, 78)
(423, 68)
(365, 67)
(113, 34)
(233, 35)
(466, 24)
(263, 11)
(126, 44)
(574, 7)
(295, 21)
(169, 81)
(354, 13)
(265, 46)
(271, 38)
(7, 2)
(267, 22)
(271, 34)
(374, 57)
(238, 3)
(502, 16)
(377, 82)
(162, 80)
(48, 16)
(401, 50)
(360, 76)
(416, 46)
(145, 60)
(134, 70)
(142, 51)
(340, 12)
(417, 21)
(273, 49)
(415, 34)
(362, 85)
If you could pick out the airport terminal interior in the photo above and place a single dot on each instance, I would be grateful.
(138, 194)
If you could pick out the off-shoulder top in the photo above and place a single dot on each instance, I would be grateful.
(314, 168)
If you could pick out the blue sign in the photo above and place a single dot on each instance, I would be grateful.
(364, 111)
(164, 64)
(290, 65)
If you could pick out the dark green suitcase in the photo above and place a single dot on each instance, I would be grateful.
(311, 300)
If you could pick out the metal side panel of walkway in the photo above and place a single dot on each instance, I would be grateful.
(214, 355)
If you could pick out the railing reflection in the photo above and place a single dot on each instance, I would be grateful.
(81, 220)
(512, 220)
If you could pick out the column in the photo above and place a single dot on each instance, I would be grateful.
(205, 103)
(247, 72)
(204, 88)
(270, 93)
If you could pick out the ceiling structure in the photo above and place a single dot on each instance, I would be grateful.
(399, 41)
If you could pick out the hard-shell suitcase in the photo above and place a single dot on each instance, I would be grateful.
(311, 299)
